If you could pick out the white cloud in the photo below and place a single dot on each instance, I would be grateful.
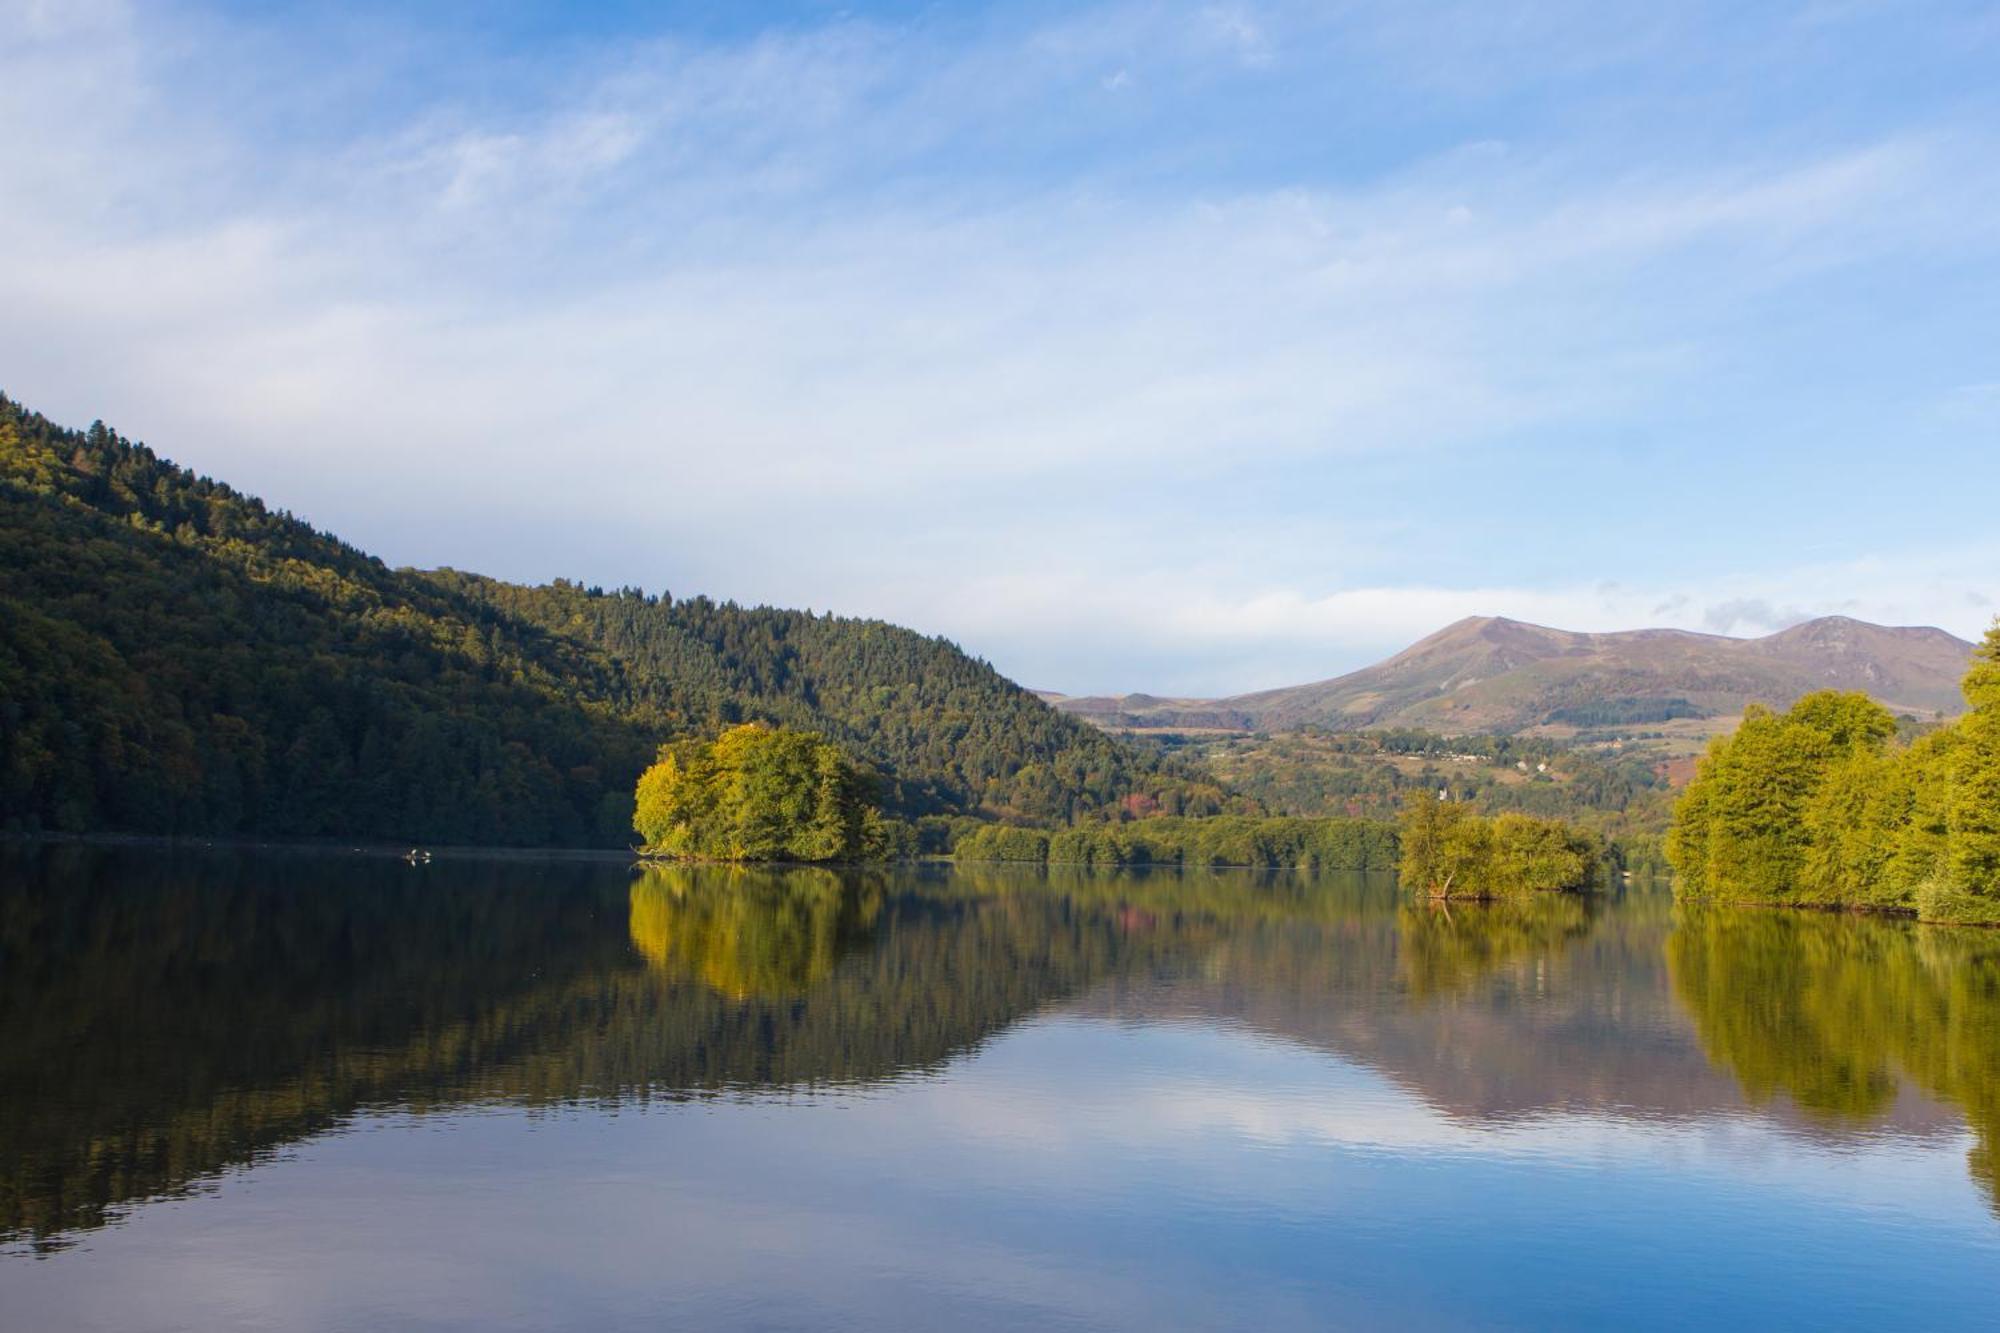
(1219, 638)
(741, 317)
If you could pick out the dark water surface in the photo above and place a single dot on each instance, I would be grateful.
(306, 1091)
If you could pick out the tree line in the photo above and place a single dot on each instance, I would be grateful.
(1216, 841)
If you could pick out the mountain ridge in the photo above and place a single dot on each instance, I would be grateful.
(1492, 673)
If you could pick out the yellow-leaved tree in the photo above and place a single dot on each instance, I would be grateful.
(757, 793)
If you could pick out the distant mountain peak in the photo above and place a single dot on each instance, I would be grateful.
(1494, 673)
(1821, 627)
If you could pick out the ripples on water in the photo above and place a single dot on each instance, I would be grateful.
(333, 1092)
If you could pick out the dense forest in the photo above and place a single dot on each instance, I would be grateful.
(177, 658)
(947, 731)
(1821, 806)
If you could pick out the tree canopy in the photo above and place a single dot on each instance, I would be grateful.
(1450, 851)
(757, 793)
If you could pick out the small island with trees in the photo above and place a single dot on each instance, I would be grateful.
(757, 793)
(1449, 851)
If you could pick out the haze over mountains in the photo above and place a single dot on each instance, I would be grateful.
(1488, 673)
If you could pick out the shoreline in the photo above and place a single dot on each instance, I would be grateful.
(392, 851)
(1832, 909)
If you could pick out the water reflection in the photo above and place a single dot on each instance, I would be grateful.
(163, 1017)
(166, 1017)
(753, 932)
(1837, 1013)
(1445, 948)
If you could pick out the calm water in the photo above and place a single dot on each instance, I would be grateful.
(316, 1092)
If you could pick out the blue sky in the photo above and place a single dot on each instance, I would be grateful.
(1182, 347)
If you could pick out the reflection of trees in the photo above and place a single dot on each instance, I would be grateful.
(1220, 900)
(163, 1018)
(752, 932)
(1583, 1022)
(1446, 948)
(1828, 1010)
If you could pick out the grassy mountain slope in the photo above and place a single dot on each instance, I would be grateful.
(1492, 674)
(175, 657)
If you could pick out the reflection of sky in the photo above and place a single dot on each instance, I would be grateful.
(1072, 1173)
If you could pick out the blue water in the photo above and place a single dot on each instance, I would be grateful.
(325, 1093)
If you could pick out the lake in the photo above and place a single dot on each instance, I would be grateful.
(316, 1091)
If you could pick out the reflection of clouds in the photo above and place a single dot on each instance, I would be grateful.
(614, 1221)
(1074, 1172)
(1280, 1098)
(1244, 1116)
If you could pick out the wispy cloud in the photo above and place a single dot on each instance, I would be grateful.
(1207, 628)
(972, 323)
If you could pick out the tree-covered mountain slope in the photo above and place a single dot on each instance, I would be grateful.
(175, 657)
(952, 732)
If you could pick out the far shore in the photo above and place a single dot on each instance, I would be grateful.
(346, 847)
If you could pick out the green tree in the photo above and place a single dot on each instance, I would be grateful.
(1850, 822)
(1918, 811)
(1531, 855)
(1448, 851)
(1172, 840)
(1969, 888)
(1742, 827)
(1423, 838)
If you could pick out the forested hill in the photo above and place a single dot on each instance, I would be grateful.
(175, 657)
(954, 733)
